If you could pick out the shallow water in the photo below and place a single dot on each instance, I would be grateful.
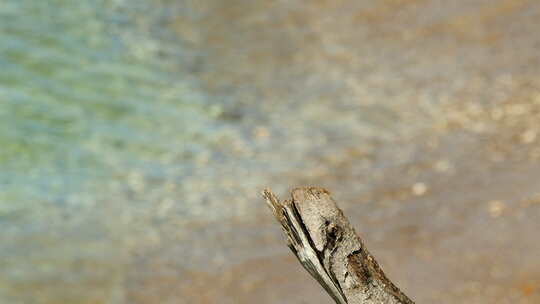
(136, 135)
(98, 131)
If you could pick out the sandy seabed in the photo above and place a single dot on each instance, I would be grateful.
(422, 118)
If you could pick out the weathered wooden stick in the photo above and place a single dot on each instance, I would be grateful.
(327, 246)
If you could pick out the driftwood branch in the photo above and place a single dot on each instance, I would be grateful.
(327, 246)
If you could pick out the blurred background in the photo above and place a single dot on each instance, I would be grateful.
(135, 137)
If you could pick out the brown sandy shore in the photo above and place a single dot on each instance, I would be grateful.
(445, 182)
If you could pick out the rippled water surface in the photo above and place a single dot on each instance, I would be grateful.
(136, 135)
(99, 129)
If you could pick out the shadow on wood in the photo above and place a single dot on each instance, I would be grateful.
(327, 246)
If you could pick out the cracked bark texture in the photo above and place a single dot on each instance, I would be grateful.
(328, 247)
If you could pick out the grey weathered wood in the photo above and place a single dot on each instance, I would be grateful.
(327, 246)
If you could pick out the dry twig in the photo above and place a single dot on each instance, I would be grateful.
(327, 246)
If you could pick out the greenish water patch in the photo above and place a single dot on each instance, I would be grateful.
(79, 101)
(92, 108)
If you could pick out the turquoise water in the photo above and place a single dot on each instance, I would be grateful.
(88, 94)
(98, 129)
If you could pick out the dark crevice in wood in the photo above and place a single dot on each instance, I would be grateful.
(327, 246)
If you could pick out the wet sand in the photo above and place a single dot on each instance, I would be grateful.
(420, 116)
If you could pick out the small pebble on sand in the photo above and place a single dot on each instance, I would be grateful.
(496, 208)
(419, 189)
